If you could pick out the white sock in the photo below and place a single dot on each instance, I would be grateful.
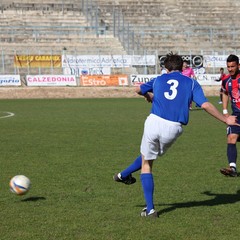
(232, 164)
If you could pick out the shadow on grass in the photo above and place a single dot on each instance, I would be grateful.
(33, 199)
(218, 199)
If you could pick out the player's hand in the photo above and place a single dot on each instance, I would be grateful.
(231, 120)
(148, 97)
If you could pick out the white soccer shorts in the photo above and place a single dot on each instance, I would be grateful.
(159, 134)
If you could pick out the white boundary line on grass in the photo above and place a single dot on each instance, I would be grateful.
(9, 114)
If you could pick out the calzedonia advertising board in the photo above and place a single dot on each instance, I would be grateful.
(51, 80)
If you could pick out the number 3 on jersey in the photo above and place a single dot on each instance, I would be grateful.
(172, 90)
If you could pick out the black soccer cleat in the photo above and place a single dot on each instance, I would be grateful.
(229, 172)
(128, 180)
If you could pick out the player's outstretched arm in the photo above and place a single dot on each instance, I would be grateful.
(212, 110)
(148, 96)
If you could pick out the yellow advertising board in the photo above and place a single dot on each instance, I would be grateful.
(38, 61)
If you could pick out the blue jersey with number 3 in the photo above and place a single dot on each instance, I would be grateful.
(173, 93)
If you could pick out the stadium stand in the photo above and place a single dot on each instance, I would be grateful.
(157, 25)
(23, 27)
(52, 27)
(179, 25)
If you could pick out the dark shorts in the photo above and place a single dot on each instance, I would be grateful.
(234, 129)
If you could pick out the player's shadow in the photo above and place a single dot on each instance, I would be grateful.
(218, 199)
(33, 199)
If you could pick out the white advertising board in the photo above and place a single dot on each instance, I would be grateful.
(140, 79)
(10, 80)
(86, 71)
(51, 80)
(114, 61)
(203, 79)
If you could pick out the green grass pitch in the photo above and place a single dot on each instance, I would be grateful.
(70, 150)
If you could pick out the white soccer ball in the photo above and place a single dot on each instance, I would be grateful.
(20, 184)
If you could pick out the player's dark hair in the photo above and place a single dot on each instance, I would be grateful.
(233, 58)
(173, 62)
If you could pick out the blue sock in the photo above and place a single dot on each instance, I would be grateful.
(232, 153)
(135, 166)
(148, 189)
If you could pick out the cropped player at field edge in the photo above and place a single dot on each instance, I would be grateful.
(170, 95)
(187, 70)
(231, 90)
(221, 78)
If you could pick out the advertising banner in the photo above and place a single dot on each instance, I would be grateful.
(208, 79)
(218, 61)
(37, 61)
(202, 78)
(195, 61)
(146, 60)
(51, 80)
(86, 71)
(110, 61)
(103, 80)
(89, 61)
(140, 79)
(10, 80)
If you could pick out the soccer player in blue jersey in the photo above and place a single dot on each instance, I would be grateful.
(170, 94)
(231, 91)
